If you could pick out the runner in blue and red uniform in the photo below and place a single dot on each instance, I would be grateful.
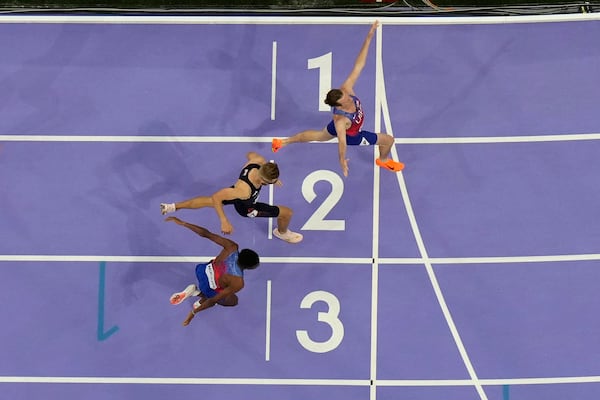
(220, 279)
(348, 118)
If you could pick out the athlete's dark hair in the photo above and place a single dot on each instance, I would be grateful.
(248, 259)
(333, 96)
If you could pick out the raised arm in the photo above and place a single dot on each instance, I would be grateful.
(360, 62)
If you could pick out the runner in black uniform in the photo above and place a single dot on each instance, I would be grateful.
(244, 195)
(250, 207)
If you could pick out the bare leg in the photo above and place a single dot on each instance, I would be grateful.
(308, 136)
(283, 221)
(385, 143)
(196, 202)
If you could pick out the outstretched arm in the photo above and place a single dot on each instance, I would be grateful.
(340, 127)
(360, 62)
(229, 246)
(236, 192)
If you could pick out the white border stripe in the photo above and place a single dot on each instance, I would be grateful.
(567, 137)
(291, 20)
(376, 220)
(271, 202)
(297, 382)
(137, 139)
(501, 139)
(492, 382)
(268, 324)
(176, 259)
(273, 79)
(184, 381)
(496, 260)
(416, 261)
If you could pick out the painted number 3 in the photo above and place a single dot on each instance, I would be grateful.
(330, 317)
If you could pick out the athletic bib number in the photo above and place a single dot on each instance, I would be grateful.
(210, 274)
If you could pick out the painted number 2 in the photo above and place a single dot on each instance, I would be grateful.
(330, 318)
(317, 221)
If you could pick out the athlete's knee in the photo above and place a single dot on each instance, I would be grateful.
(229, 301)
(384, 139)
(285, 212)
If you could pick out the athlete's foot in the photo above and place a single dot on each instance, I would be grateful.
(190, 290)
(166, 208)
(390, 164)
(276, 144)
(288, 236)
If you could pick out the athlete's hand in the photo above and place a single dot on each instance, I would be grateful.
(344, 164)
(175, 219)
(189, 319)
(226, 227)
(373, 27)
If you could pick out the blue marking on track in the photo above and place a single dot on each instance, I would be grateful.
(103, 335)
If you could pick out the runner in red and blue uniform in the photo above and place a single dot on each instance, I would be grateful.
(220, 279)
(348, 118)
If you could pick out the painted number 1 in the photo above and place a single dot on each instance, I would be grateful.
(323, 64)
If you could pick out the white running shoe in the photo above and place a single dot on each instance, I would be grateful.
(166, 208)
(177, 298)
(289, 236)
